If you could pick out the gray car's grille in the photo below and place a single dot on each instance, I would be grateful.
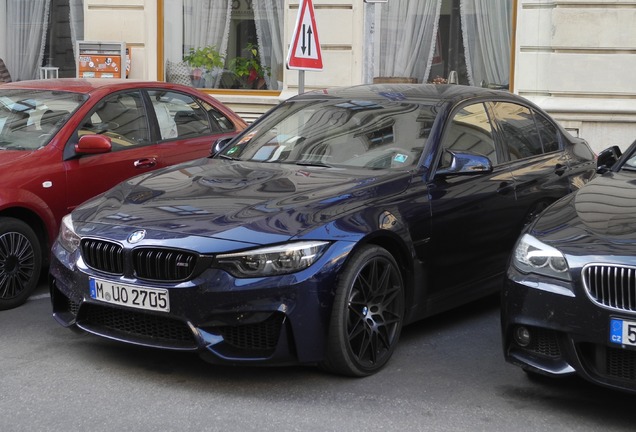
(102, 255)
(612, 286)
(158, 264)
(163, 264)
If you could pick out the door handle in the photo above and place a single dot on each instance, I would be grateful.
(145, 163)
(560, 169)
(505, 187)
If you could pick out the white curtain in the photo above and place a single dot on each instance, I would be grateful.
(407, 38)
(76, 20)
(268, 17)
(487, 30)
(27, 23)
(206, 23)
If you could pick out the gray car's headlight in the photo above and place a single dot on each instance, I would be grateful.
(272, 260)
(533, 256)
(67, 237)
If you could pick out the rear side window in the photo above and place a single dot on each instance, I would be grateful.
(518, 130)
(525, 132)
(548, 133)
(180, 116)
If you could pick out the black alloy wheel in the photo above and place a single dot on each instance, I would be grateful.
(20, 262)
(367, 314)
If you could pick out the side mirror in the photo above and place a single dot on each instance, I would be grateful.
(465, 164)
(607, 158)
(93, 144)
(219, 145)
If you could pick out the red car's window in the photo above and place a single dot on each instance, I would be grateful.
(182, 116)
(123, 118)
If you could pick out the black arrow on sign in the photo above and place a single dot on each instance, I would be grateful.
(306, 45)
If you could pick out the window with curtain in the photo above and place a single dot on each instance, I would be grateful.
(41, 33)
(430, 40)
(487, 29)
(401, 36)
(227, 44)
(26, 27)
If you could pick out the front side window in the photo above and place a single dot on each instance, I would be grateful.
(338, 133)
(122, 117)
(227, 44)
(469, 131)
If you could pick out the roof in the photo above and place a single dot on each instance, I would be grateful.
(85, 85)
(409, 92)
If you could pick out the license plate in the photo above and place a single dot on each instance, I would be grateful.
(156, 299)
(622, 332)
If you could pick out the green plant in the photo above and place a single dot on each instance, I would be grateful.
(248, 67)
(207, 57)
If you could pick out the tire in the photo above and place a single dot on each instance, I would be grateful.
(367, 314)
(20, 262)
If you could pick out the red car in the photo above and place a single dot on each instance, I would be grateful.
(66, 140)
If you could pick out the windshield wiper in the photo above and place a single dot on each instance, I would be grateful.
(222, 156)
(313, 164)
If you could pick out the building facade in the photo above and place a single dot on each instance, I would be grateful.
(573, 58)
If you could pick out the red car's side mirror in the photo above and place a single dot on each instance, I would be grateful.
(93, 144)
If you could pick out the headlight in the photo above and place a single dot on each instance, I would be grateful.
(533, 256)
(67, 238)
(272, 260)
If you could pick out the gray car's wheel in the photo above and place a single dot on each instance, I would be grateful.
(367, 314)
(20, 262)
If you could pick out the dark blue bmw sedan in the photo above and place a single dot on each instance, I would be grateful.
(316, 234)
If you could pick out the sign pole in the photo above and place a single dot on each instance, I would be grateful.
(301, 81)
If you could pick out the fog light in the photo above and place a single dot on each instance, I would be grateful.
(522, 336)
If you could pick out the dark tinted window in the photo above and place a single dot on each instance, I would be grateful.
(470, 131)
(336, 132)
(518, 130)
(548, 132)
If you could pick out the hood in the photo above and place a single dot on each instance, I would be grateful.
(601, 215)
(244, 201)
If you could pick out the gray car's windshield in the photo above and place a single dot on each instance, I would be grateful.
(338, 133)
(29, 118)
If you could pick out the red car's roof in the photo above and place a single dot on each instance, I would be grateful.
(87, 85)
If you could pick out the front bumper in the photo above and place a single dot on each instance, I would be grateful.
(568, 333)
(275, 320)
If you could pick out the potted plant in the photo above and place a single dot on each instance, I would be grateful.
(248, 68)
(205, 60)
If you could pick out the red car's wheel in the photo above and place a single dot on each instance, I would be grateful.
(20, 262)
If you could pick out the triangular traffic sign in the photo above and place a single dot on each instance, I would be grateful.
(304, 51)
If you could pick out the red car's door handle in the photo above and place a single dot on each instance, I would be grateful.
(145, 163)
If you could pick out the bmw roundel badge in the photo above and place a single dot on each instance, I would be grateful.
(137, 236)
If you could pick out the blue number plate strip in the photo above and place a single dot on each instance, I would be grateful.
(622, 332)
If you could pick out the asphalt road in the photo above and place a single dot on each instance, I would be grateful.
(447, 374)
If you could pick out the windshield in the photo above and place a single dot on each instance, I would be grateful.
(338, 133)
(30, 118)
